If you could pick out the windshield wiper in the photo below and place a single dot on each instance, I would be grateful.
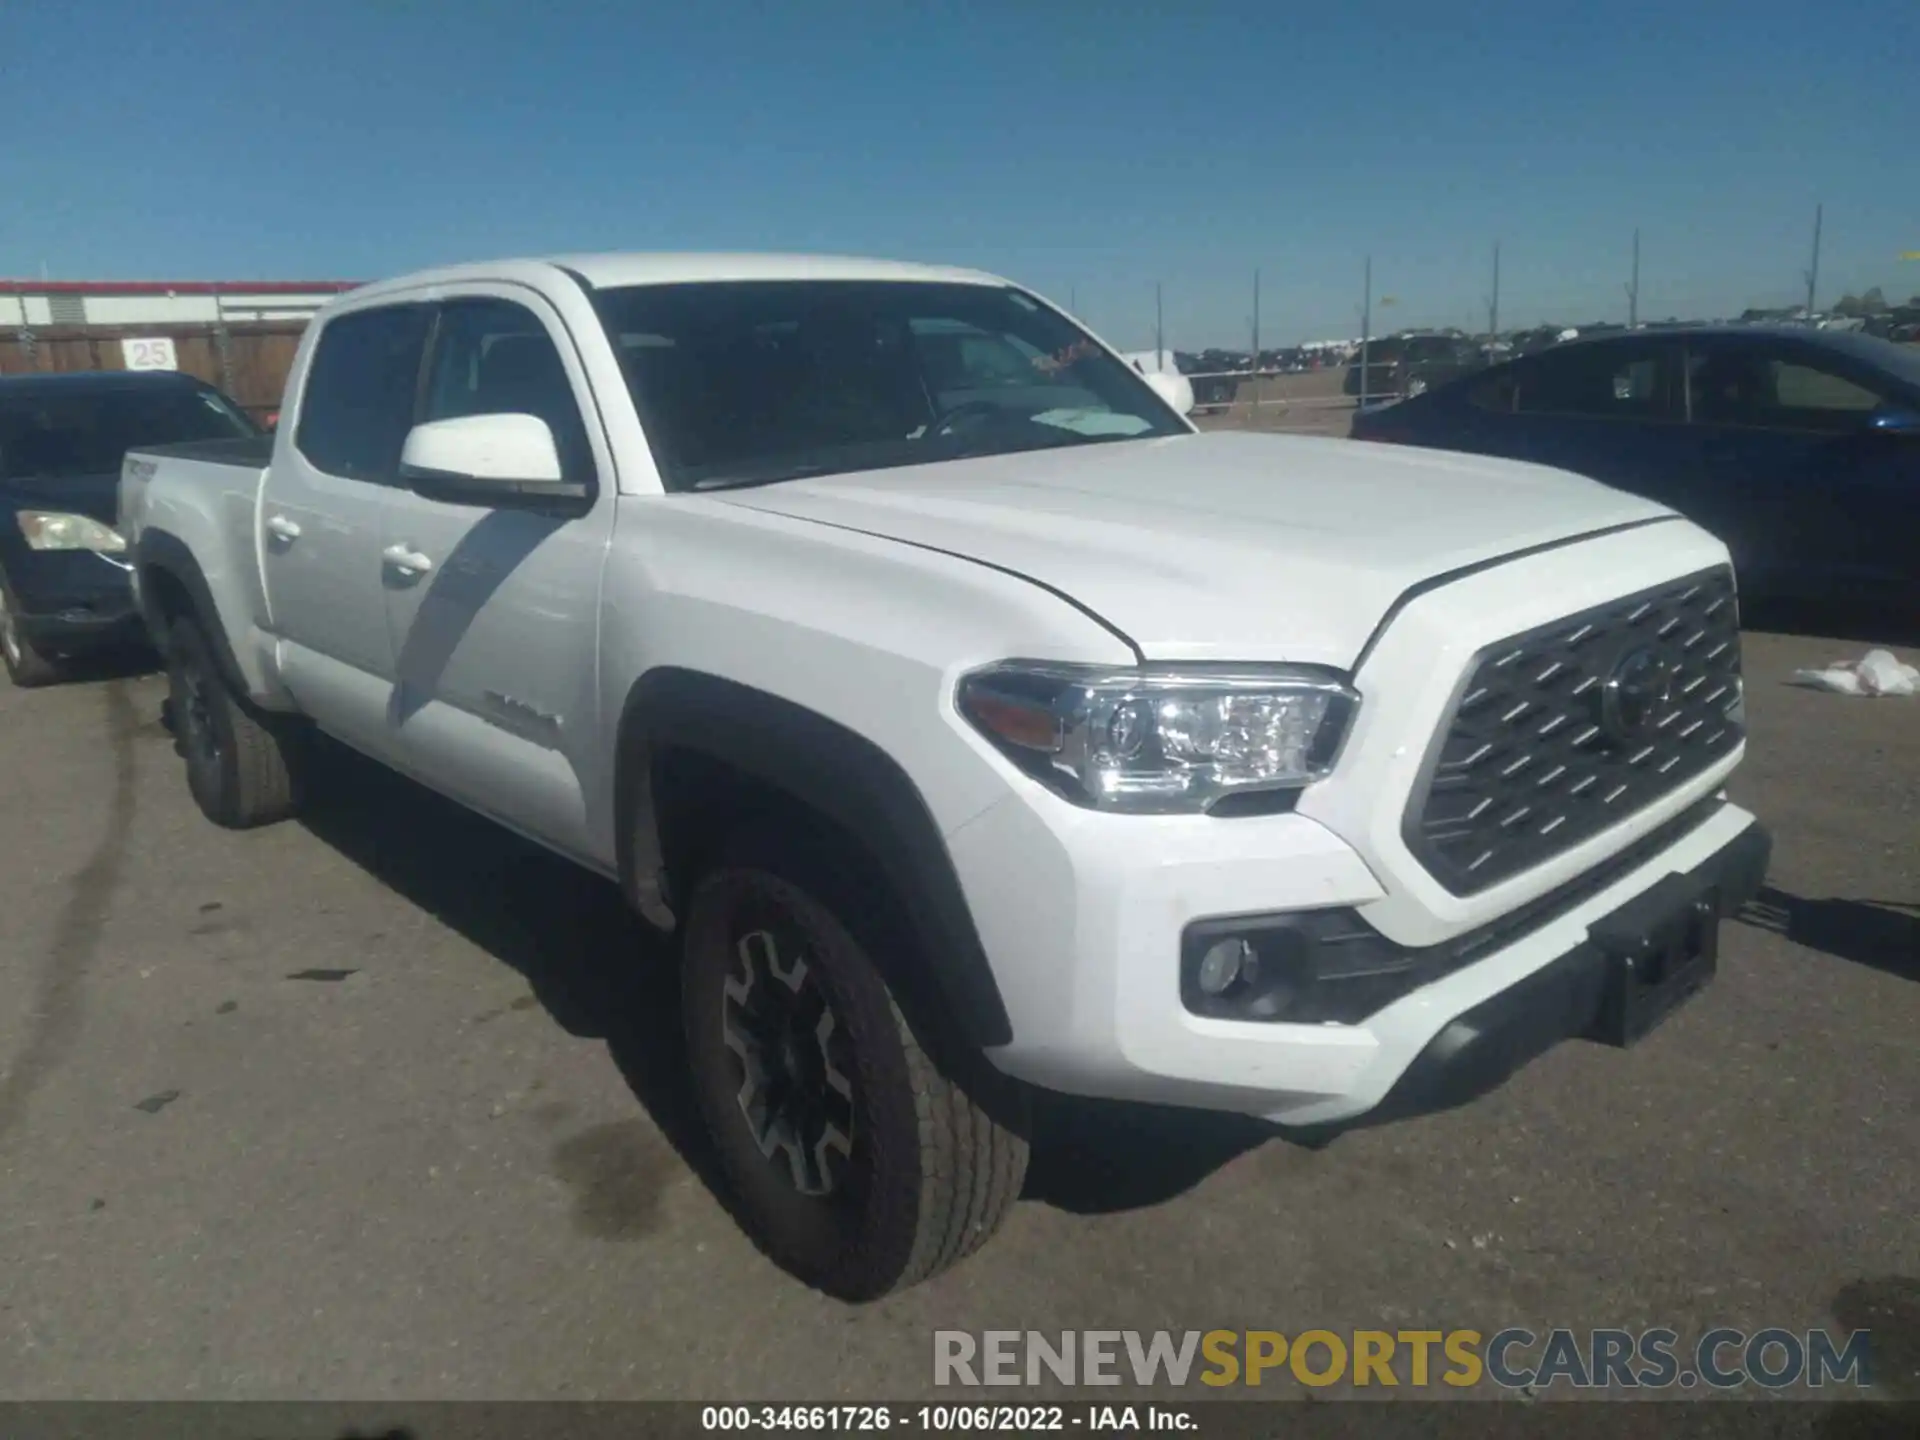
(1060, 441)
(752, 479)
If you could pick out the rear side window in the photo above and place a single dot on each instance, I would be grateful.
(358, 403)
(1494, 390)
(1601, 380)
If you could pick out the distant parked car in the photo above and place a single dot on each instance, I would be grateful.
(64, 589)
(1800, 448)
(1401, 366)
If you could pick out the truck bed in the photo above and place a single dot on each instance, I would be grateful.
(252, 451)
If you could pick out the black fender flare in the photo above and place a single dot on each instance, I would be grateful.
(158, 552)
(832, 771)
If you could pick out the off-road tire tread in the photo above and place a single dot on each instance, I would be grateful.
(263, 783)
(971, 1168)
(968, 1169)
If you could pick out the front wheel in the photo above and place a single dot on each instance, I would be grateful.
(855, 1163)
(240, 763)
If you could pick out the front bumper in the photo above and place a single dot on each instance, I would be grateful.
(71, 602)
(1568, 998)
(1094, 991)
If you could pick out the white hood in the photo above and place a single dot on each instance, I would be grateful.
(1221, 546)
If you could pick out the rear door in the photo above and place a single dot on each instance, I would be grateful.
(1607, 411)
(321, 517)
(492, 610)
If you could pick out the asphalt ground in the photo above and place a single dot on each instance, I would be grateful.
(384, 1104)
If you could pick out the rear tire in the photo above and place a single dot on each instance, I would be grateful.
(241, 763)
(26, 666)
(854, 1162)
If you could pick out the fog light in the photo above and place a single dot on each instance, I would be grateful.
(1222, 964)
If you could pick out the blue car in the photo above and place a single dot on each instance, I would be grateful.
(1800, 448)
(65, 590)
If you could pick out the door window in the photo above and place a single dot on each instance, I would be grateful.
(1771, 391)
(493, 357)
(358, 402)
(1622, 381)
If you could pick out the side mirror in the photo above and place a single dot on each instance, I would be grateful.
(486, 460)
(1895, 420)
(1176, 390)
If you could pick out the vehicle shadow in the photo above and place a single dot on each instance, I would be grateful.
(601, 974)
(592, 965)
(118, 664)
(1095, 1157)
(1850, 624)
(1881, 934)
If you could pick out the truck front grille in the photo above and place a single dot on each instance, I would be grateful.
(1566, 730)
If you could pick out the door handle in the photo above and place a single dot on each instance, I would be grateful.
(281, 528)
(407, 561)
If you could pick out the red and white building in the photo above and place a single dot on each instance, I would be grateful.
(46, 304)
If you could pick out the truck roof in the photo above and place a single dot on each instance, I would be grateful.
(620, 268)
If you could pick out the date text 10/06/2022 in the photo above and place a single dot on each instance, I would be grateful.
(941, 1419)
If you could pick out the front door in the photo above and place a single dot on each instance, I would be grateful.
(492, 610)
(322, 517)
(1830, 499)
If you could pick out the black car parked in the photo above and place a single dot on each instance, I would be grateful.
(64, 590)
(1800, 448)
(1402, 366)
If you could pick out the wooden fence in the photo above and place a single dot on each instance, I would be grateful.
(252, 370)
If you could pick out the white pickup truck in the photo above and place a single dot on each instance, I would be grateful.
(980, 726)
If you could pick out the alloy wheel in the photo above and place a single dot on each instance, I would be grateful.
(198, 736)
(795, 1095)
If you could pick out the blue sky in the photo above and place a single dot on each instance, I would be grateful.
(1087, 149)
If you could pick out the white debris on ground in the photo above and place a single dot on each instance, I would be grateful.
(1878, 672)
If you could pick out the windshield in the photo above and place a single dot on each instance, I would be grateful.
(56, 434)
(749, 383)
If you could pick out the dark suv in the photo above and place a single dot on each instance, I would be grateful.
(1399, 366)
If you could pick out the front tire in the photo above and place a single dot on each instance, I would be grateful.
(240, 765)
(26, 666)
(854, 1162)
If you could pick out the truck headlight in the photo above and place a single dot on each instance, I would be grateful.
(1181, 738)
(54, 530)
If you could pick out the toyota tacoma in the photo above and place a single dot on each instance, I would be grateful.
(979, 727)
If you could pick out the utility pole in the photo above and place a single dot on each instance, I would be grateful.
(1366, 327)
(1254, 363)
(1159, 327)
(1633, 286)
(1073, 299)
(1493, 298)
(1813, 270)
